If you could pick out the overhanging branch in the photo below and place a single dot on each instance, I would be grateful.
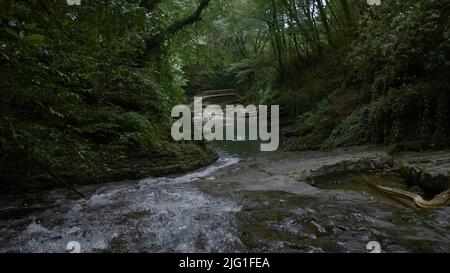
(157, 40)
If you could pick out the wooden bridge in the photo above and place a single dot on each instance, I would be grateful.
(223, 96)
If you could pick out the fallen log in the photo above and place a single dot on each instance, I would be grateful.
(440, 200)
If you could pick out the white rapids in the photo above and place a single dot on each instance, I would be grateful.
(167, 214)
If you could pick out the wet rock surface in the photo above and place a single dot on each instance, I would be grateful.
(284, 210)
(251, 203)
(428, 170)
(295, 172)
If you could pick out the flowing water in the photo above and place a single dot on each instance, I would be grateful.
(152, 215)
(244, 202)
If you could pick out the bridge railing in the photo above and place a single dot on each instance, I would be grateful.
(217, 93)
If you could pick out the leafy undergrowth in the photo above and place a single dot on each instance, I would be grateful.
(397, 84)
(79, 97)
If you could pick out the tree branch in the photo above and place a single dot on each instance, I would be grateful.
(157, 40)
(197, 16)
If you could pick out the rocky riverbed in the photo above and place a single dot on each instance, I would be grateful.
(245, 202)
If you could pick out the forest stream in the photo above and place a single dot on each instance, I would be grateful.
(246, 202)
(91, 92)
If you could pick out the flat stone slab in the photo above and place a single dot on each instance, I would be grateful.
(294, 171)
(301, 172)
(428, 170)
(434, 163)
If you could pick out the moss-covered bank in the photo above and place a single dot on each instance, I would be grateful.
(83, 99)
(177, 159)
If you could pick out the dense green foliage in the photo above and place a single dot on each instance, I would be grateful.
(399, 64)
(80, 95)
(347, 72)
(403, 65)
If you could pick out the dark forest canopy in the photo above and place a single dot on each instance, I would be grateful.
(87, 90)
